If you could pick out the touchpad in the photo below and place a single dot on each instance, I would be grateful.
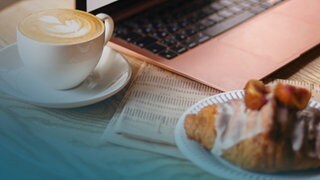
(275, 36)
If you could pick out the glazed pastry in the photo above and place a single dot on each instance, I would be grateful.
(271, 130)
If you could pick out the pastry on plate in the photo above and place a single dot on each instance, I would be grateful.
(272, 129)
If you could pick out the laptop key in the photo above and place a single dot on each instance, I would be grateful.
(226, 2)
(266, 5)
(158, 24)
(178, 49)
(173, 27)
(181, 35)
(201, 14)
(193, 18)
(227, 24)
(130, 37)
(216, 18)
(209, 10)
(183, 23)
(159, 34)
(195, 40)
(200, 26)
(235, 9)
(225, 13)
(148, 29)
(217, 6)
(254, 1)
(155, 48)
(257, 9)
(207, 22)
(143, 42)
(191, 31)
(169, 41)
(191, 42)
(274, 2)
(202, 37)
(245, 5)
(168, 54)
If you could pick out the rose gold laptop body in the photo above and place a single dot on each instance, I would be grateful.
(252, 49)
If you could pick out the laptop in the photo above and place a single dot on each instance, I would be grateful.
(221, 43)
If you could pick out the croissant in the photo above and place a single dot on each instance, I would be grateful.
(270, 130)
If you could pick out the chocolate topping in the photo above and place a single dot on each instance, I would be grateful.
(306, 136)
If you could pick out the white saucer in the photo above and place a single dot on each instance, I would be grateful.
(111, 75)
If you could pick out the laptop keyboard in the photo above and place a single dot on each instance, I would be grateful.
(176, 26)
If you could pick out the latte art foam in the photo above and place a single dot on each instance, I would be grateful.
(61, 26)
(68, 29)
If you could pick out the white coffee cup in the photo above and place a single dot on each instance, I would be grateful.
(63, 46)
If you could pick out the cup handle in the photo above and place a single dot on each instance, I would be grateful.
(109, 25)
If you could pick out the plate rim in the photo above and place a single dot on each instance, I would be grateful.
(179, 128)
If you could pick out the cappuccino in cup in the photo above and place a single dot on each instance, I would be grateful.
(61, 26)
(63, 46)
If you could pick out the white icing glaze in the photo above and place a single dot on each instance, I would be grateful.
(298, 136)
(234, 123)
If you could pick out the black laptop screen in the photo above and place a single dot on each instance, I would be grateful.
(112, 7)
(96, 4)
(106, 6)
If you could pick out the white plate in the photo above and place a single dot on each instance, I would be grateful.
(216, 165)
(111, 74)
